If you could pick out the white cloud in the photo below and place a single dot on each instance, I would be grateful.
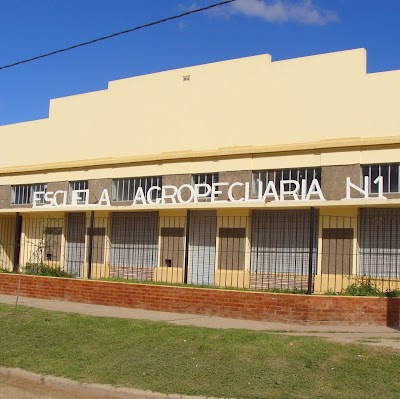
(302, 11)
(191, 7)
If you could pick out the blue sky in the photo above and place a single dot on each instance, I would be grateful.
(283, 28)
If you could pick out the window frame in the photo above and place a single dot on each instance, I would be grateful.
(27, 193)
(125, 189)
(366, 170)
(71, 188)
(204, 178)
(276, 175)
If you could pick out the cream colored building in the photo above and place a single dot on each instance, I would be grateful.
(201, 139)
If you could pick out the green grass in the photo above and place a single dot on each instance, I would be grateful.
(194, 361)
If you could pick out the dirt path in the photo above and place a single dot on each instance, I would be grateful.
(19, 384)
(390, 339)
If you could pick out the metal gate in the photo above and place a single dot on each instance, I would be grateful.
(75, 251)
(202, 247)
(379, 243)
(280, 250)
(134, 245)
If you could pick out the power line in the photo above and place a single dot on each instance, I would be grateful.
(160, 21)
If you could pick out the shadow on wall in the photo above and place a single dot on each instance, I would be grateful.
(393, 313)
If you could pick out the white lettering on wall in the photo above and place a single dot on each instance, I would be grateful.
(139, 196)
(230, 192)
(37, 198)
(315, 189)
(80, 197)
(64, 198)
(215, 192)
(104, 198)
(171, 196)
(288, 190)
(270, 191)
(150, 195)
(191, 191)
(364, 192)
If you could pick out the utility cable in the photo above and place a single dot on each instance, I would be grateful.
(160, 21)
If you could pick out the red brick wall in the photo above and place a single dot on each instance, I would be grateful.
(313, 309)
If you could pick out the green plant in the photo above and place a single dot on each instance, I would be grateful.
(393, 293)
(363, 287)
(331, 292)
(366, 287)
(40, 269)
(3, 270)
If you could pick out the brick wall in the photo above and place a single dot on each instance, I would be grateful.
(329, 310)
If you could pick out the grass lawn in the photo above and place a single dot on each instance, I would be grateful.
(195, 361)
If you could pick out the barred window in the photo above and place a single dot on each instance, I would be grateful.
(390, 174)
(78, 185)
(126, 189)
(52, 241)
(22, 194)
(204, 178)
(297, 174)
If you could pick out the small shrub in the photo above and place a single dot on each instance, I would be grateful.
(363, 287)
(393, 293)
(331, 292)
(3, 270)
(40, 269)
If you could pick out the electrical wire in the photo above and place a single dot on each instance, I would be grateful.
(160, 21)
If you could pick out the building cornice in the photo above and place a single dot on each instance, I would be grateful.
(325, 146)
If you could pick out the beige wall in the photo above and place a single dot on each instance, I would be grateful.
(185, 168)
(226, 106)
(7, 237)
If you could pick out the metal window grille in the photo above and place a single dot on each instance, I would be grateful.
(280, 249)
(202, 247)
(134, 245)
(272, 245)
(78, 185)
(76, 243)
(297, 174)
(205, 178)
(22, 194)
(380, 243)
(390, 174)
(126, 189)
(41, 242)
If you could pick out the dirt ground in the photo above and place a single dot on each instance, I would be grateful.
(390, 339)
(18, 384)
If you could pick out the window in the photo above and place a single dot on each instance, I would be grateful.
(134, 244)
(390, 174)
(78, 185)
(126, 189)
(52, 240)
(98, 243)
(205, 178)
(280, 249)
(22, 194)
(379, 240)
(297, 174)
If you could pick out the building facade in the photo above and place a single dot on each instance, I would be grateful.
(245, 173)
